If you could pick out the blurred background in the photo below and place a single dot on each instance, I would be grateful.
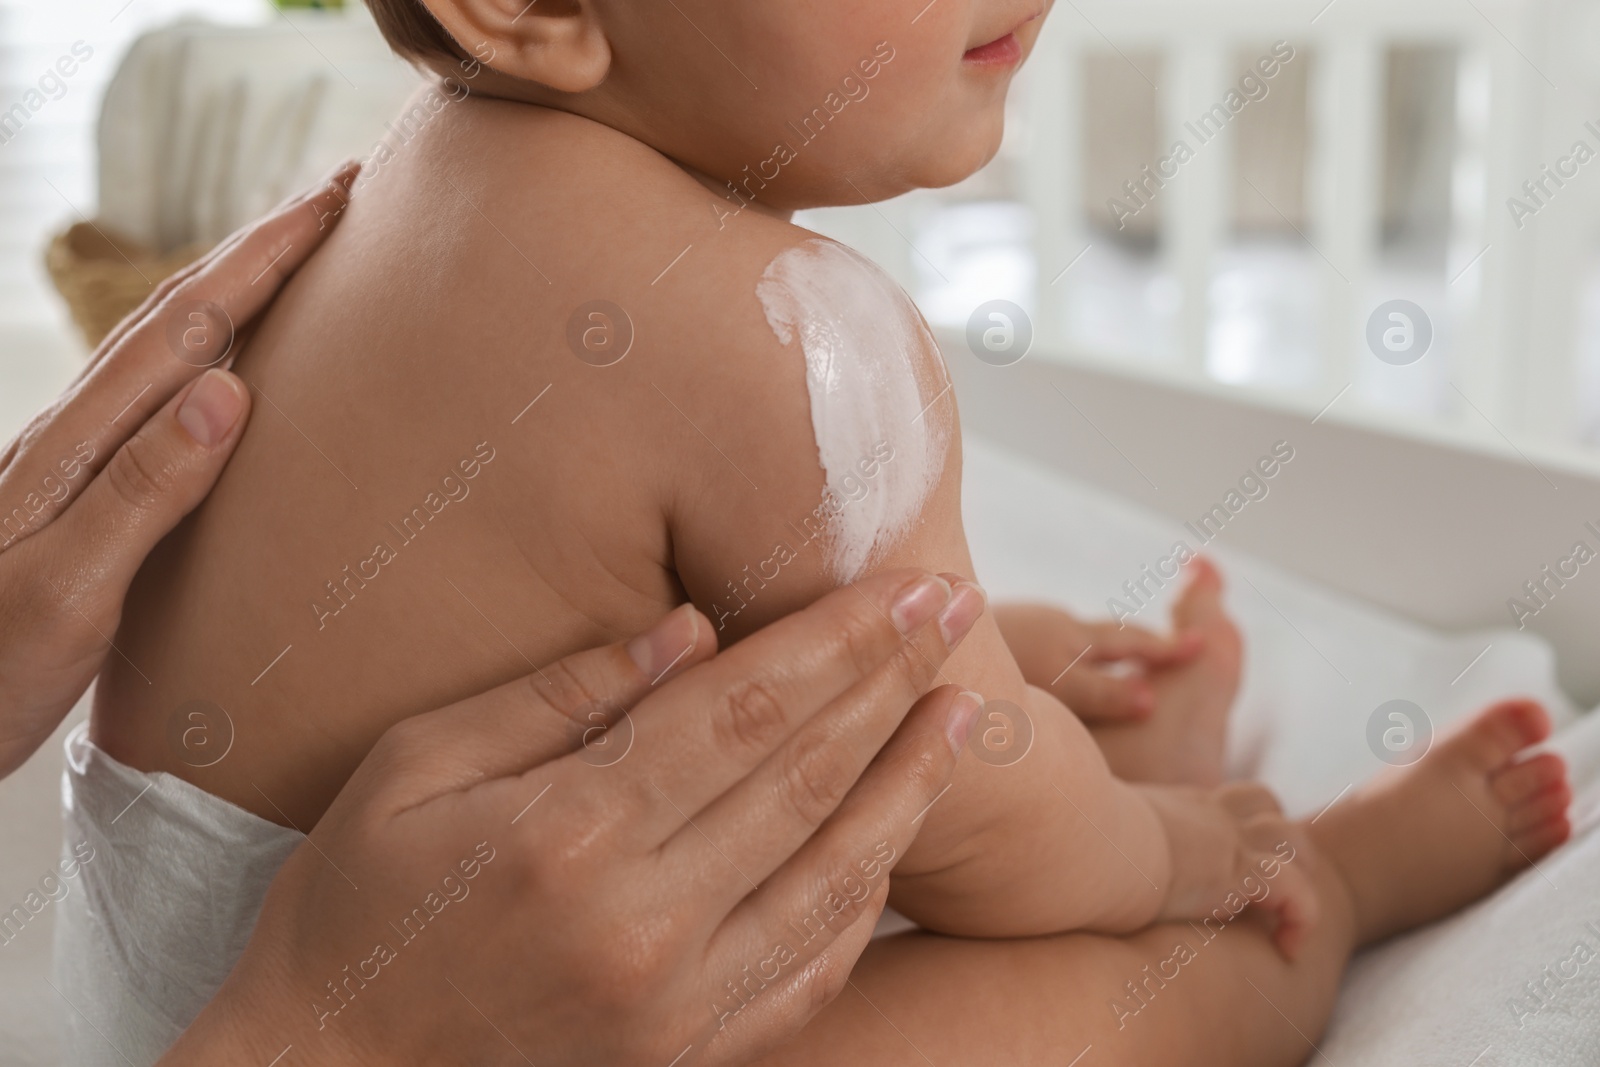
(1384, 159)
(1210, 192)
(1177, 200)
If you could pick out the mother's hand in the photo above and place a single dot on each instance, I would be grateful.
(510, 880)
(84, 498)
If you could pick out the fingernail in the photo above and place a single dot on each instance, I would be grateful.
(963, 717)
(337, 173)
(212, 407)
(918, 602)
(346, 173)
(663, 648)
(963, 610)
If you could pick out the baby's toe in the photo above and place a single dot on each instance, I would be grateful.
(1200, 603)
(1545, 806)
(1516, 782)
(1539, 840)
(1498, 734)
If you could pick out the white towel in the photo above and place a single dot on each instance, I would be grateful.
(1512, 980)
(1317, 665)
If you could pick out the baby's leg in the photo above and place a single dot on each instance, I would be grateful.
(1408, 850)
(1183, 741)
(918, 999)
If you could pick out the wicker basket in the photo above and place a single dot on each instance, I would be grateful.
(103, 276)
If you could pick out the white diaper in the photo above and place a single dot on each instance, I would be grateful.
(169, 898)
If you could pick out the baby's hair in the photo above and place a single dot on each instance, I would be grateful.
(411, 30)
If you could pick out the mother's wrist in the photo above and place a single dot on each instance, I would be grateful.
(263, 1023)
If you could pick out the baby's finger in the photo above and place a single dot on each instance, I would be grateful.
(1097, 697)
(1293, 900)
(1253, 801)
(1112, 642)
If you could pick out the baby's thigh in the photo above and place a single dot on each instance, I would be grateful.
(920, 999)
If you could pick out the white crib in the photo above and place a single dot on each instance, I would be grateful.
(1441, 517)
(1512, 294)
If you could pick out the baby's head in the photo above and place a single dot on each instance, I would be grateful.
(799, 103)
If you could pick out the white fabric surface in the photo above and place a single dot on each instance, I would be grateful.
(1512, 980)
(168, 903)
(1316, 666)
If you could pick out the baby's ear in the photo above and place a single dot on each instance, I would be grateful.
(557, 43)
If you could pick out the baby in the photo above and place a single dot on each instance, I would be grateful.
(566, 365)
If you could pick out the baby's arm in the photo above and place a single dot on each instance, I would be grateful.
(1055, 841)
(1052, 842)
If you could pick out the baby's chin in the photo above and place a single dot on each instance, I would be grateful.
(952, 160)
(959, 161)
(954, 144)
(955, 159)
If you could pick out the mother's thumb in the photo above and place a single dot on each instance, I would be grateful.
(156, 478)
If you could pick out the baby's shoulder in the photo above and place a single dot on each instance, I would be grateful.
(608, 219)
(775, 394)
(688, 320)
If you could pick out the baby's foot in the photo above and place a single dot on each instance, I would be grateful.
(1197, 696)
(1425, 840)
(1184, 740)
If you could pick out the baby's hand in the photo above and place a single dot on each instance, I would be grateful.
(1111, 684)
(1232, 848)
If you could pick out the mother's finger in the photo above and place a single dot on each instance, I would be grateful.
(156, 478)
(314, 206)
(574, 703)
(697, 738)
(829, 881)
(759, 823)
(784, 1006)
(166, 344)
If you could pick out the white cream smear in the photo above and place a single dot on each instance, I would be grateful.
(865, 345)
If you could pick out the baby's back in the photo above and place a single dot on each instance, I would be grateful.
(443, 484)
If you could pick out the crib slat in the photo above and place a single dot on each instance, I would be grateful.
(1346, 99)
(1052, 175)
(1196, 205)
(1557, 239)
(1491, 298)
(1506, 329)
(1470, 225)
